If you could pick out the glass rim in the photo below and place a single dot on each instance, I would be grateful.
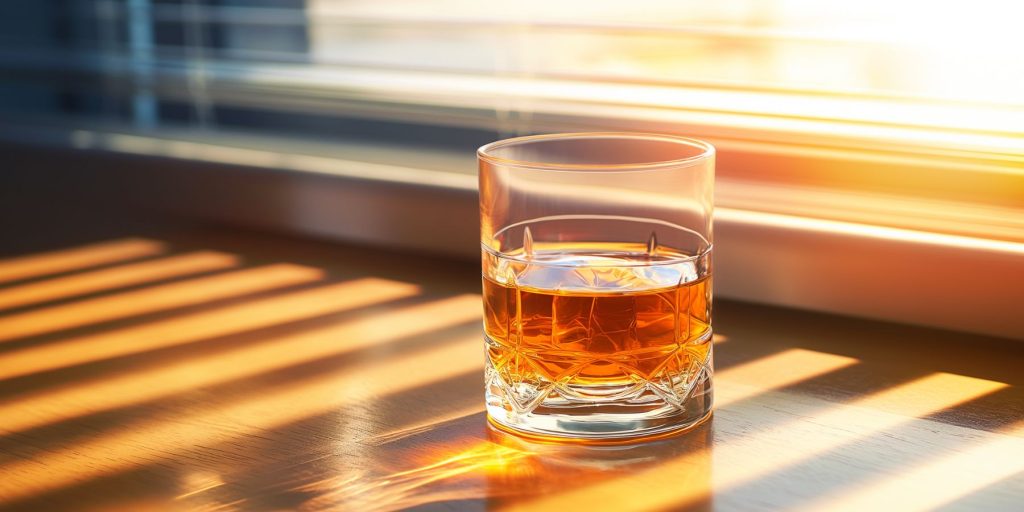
(484, 153)
(706, 246)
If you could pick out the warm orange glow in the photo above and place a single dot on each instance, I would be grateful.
(842, 424)
(936, 483)
(655, 489)
(222, 321)
(860, 419)
(198, 482)
(65, 260)
(995, 220)
(406, 489)
(874, 216)
(774, 372)
(246, 362)
(864, 230)
(484, 457)
(111, 278)
(920, 397)
(838, 425)
(422, 426)
(157, 298)
(118, 450)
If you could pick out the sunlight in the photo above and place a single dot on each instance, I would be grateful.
(732, 462)
(421, 426)
(485, 456)
(195, 482)
(814, 432)
(835, 115)
(210, 323)
(931, 485)
(249, 361)
(408, 489)
(774, 372)
(653, 489)
(65, 260)
(273, 408)
(153, 299)
(928, 229)
(110, 278)
(864, 230)
(817, 433)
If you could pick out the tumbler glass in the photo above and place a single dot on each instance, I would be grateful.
(596, 259)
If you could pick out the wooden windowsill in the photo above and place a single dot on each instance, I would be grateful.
(150, 365)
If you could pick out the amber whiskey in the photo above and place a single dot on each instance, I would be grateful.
(618, 327)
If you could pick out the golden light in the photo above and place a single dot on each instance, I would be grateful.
(66, 260)
(113, 451)
(111, 278)
(653, 488)
(815, 433)
(982, 461)
(418, 486)
(759, 376)
(196, 482)
(210, 323)
(246, 362)
(864, 230)
(421, 426)
(153, 299)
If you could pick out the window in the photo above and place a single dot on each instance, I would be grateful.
(871, 120)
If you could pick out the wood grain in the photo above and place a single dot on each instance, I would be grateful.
(274, 373)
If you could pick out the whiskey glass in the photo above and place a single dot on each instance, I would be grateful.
(596, 266)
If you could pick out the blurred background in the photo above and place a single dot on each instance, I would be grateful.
(872, 151)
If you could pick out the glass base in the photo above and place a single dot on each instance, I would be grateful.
(646, 413)
(626, 432)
